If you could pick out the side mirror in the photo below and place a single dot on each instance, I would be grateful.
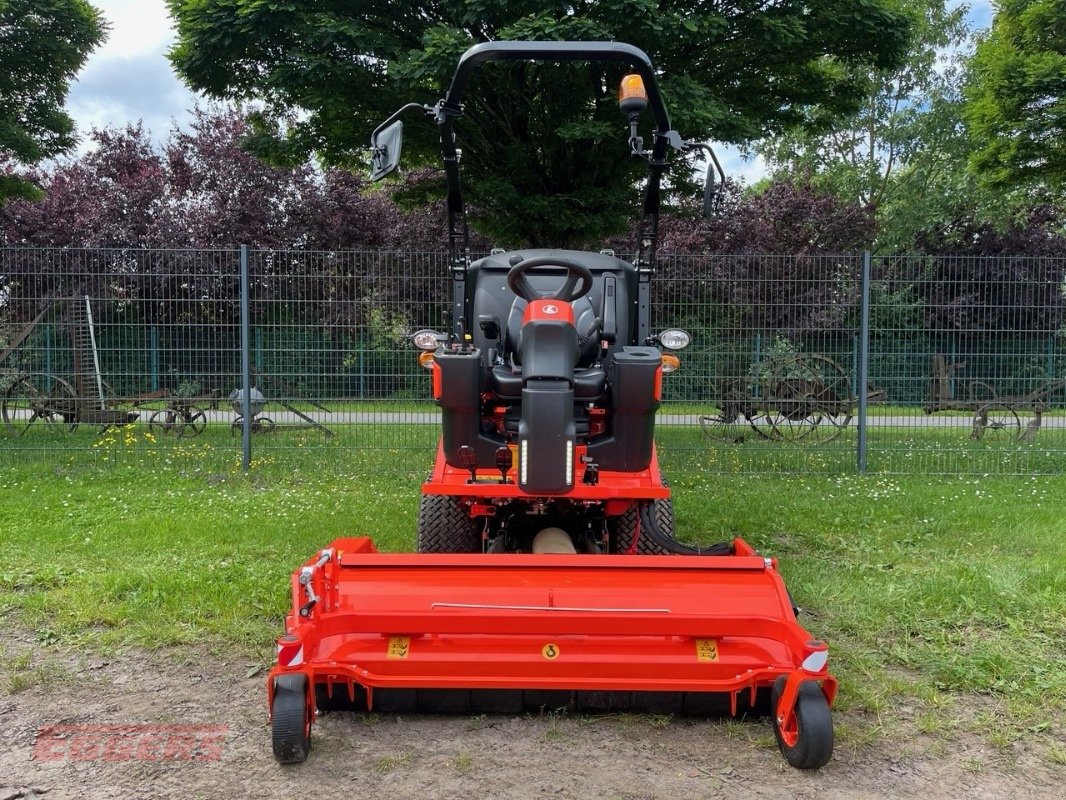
(713, 183)
(710, 191)
(385, 144)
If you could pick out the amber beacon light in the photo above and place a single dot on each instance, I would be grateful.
(632, 97)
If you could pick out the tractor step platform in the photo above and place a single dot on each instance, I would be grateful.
(478, 633)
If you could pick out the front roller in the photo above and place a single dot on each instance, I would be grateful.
(474, 633)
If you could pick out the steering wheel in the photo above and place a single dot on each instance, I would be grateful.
(577, 284)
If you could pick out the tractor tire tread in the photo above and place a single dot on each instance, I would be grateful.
(627, 522)
(444, 526)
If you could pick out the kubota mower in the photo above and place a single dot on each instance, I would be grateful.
(548, 574)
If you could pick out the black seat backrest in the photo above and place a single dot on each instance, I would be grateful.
(586, 321)
(488, 295)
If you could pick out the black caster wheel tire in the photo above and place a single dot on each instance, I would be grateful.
(291, 723)
(808, 742)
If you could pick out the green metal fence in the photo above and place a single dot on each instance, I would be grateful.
(962, 359)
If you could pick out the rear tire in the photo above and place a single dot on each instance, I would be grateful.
(809, 743)
(290, 726)
(444, 526)
(625, 526)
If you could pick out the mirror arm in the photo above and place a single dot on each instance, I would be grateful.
(692, 144)
(400, 113)
(381, 151)
(717, 165)
(710, 191)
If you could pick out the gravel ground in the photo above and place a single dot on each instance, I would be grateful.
(370, 755)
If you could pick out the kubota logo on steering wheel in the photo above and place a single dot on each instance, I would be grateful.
(549, 309)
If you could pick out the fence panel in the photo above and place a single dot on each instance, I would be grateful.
(330, 349)
(769, 382)
(97, 340)
(966, 359)
(966, 365)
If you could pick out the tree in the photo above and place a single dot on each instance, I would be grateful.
(201, 189)
(545, 151)
(110, 197)
(220, 195)
(43, 45)
(782, 218)
(904, 147)
(1016, 97)
(783, 259)
(118, 205)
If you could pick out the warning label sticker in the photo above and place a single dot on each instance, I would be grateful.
(550, 651)
(399, 647)
(706, 649)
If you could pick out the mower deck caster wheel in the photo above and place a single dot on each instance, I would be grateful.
(807, 741)
(291, 724)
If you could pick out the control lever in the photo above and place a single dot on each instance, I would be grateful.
(610, 309)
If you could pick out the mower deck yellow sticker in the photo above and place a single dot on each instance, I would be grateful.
(399, 647)
(706, 649)
(550, 651)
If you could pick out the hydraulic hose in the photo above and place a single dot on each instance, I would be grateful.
(670, 544)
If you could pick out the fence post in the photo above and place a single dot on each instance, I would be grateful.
(864, 359)
(246, 365)
(154, 358)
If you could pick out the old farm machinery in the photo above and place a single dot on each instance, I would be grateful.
(804, 398)
(547, 571)
(61, 402)
(995, 415)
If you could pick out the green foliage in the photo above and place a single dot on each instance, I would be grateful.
(545, 152)
(1016, 97)
(903, 152)
(43, 44)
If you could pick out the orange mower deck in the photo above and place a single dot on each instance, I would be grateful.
(677, 629)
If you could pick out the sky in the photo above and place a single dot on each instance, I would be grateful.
(130, 79)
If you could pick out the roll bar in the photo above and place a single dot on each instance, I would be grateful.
(450, 107)
(611, 52)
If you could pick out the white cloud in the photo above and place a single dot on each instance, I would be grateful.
(129, 78)
(739, 168)
(137, 27)
(118, 90)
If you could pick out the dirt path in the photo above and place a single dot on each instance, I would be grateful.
(567, 756)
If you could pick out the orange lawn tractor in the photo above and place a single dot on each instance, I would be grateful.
(547, 572)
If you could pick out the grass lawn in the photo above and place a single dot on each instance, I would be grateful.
(946, 594)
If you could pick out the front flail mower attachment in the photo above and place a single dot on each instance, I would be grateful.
(485, 633)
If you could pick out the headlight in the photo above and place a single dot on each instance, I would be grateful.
(426, 339)
(674, 339)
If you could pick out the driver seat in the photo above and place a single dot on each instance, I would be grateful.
(585, 321)
(589, 382)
